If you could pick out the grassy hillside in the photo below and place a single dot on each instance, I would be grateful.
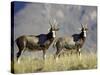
(64, 63)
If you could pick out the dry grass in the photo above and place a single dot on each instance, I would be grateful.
(64, 63)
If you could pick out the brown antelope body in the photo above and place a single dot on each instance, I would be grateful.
(36, 42)
(74, 42)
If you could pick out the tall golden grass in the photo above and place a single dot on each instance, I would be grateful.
(64, 63)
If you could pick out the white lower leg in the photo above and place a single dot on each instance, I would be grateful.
(57, 58)
(19, 60)
(80, 54)
(20, 56)
(44, 56)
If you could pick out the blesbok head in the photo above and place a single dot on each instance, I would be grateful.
(53, 27)
(84, 30)
(37, 42)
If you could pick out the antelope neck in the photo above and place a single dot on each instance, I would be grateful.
(50, 35)
(82, 36)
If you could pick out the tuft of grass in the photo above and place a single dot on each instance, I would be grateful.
(64, 63)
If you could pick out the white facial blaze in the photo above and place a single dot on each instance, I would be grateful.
(84, 33)
(54, 34)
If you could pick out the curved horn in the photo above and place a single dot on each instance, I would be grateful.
(55, 22)
(50, 23)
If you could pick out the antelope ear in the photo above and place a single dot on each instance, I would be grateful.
(48, 29)
(79, 29)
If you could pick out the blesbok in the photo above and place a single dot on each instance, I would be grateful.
(68, 43)
(36, 42)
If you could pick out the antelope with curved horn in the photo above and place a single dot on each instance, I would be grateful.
(36, 42)
(75, 42)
